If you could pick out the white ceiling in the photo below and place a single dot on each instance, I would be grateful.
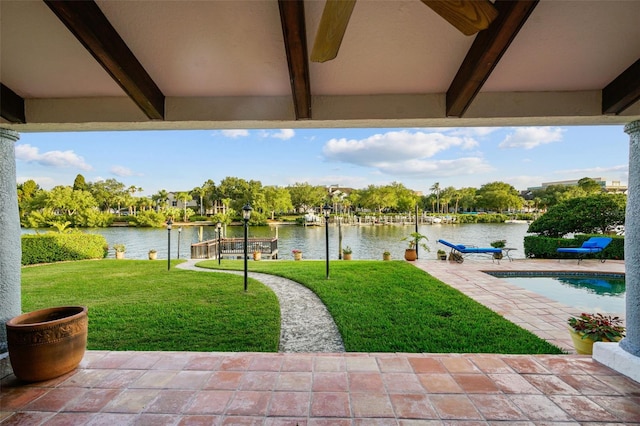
(222, 64)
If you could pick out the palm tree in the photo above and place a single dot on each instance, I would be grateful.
(184, 197)
(160, 198)
(435, 188)
(200, 192)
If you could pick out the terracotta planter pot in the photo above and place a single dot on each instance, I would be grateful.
(47, 343)
(386, 256)
(410, 254)
(297, 256)
(257, 255)
(346, 256)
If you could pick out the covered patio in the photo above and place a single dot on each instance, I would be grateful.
(101, 65)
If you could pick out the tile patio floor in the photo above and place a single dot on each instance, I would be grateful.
(185, 388)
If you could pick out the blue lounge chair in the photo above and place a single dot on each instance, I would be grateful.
(591, 246)
(458, 251)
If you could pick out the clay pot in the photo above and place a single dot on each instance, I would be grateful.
(47, 343)
(410, 254)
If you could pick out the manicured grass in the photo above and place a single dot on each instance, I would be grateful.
(139, 305)
(394, 307)
(378, 307)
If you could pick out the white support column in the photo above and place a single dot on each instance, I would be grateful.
(10, 245)
(625, 356)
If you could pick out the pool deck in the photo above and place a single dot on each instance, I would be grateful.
(538, 314)
(314, 389)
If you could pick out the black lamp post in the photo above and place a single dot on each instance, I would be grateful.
(169, 223)
(327, 211)
(179, 234)
(416, 230)
(246, 215)
(219, 229)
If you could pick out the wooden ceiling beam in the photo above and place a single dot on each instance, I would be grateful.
(11, 105)
(623, 91)
(92, 28)
(295, 43)
(485, 53)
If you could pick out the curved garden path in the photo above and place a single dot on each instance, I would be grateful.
(305, 324)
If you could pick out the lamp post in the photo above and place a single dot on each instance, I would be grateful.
(327, 211)
(246, 214)
(179, 234)
(416, 230)
(169, 223)
(219, 229)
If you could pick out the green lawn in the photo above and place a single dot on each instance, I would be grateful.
(395, 307)
(139, 305)
(378, 307)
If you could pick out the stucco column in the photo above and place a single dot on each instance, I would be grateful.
(10, 245)
(631, 343)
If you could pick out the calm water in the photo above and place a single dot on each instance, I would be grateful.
(367, 242)
(587, 293)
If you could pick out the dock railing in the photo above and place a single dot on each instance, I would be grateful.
(234, 247)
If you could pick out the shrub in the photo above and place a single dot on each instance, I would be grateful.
(149, 218)
(592, 214)
(57, 247)
(546, 247)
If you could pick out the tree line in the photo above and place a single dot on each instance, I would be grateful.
(99, 204)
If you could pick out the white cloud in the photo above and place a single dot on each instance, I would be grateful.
(406, 153)
(122, 171)
(58, 159)
(436, 168)
(531, 137)
(284, 134)
(235, 133)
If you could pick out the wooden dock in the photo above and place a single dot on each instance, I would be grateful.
(233, 248)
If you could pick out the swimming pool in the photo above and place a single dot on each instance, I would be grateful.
(587, 292)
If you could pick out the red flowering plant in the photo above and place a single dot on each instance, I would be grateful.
(598, 327)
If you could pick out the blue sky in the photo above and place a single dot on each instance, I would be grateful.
(416, 157)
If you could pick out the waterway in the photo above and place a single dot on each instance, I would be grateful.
(367, 242)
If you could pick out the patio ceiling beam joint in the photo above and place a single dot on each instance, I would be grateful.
(623, 91)
(91, 27)
(485, 53)
(11, 105)
(295, 42)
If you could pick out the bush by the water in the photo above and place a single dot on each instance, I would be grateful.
(58, 247)
(546, 247)
(482, 218)
(592, 214)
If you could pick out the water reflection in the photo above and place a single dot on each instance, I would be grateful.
(367, 242)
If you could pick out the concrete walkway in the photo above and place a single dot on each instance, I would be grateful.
(305, 324)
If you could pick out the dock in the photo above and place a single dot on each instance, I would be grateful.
(233, 248)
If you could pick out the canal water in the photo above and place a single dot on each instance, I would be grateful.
(366, 241)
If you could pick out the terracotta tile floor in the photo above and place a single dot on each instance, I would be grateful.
(324, 389)
(167, 388)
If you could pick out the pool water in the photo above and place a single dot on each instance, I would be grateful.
(588, 293)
